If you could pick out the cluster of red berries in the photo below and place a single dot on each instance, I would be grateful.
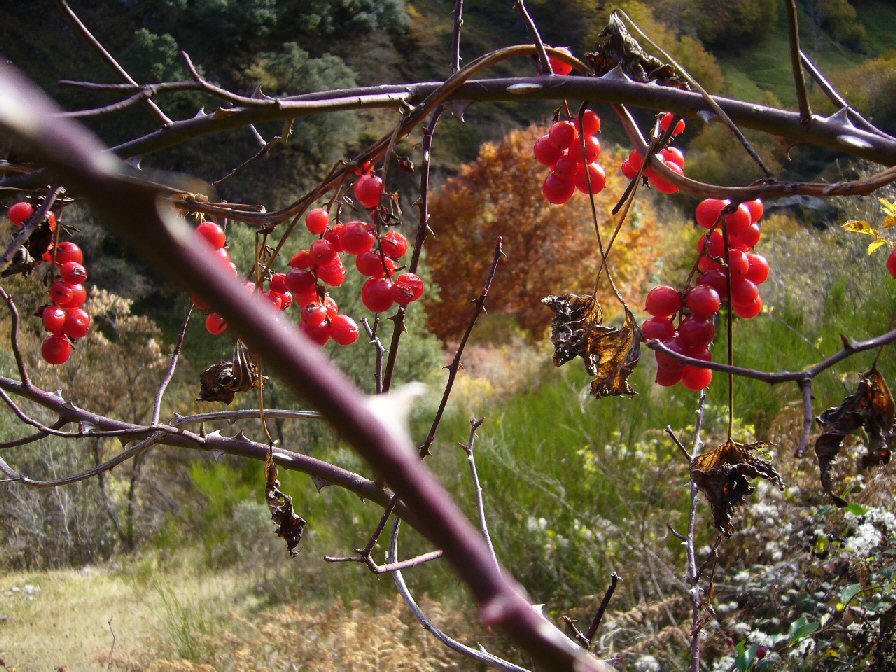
(672, 158)
(696, 331)
(64, 319)
(561, 149)
(891, 263)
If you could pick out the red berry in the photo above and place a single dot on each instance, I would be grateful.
(317, 220)
(215, 324)
(716, 244)
(663, 301)
(696, 333)
(557, 190)
(393, 244)
(658, 328)
(598, 178)
(716, 280)
(628, 169)
(563, 134)
(891, 264)
(322, 252)
(738, 264)
(314, 314)
(592, 150)
(212, 233)
(199, 302)
(373, 265)
(660, 183)
(285, 300)
(56, 349)
(68, 251)
(73, 272)
(738, 221)
(376, 294)
(20, 212)
(369, 190)
(743, 291)
(747, 309)
(695, 378)
(673, 155)
(332, 308)
(275, 299)
(62, 293)
(334, 235)
(319, 333)
(53, 318)
(667, 376)
(560, 67)
(703, 301)
(566, 167)
(668, 362)
(222, 255)
(77, 323)
(302, 259)
(762, 651)
(708, 212)
(745, 239)
(343, 330)
(301, 283)
(756, 209)
(332, 273)
(666, 121)
(590, 121)
(407, 288)
(358, 237)
(758, 271)
(546, 152)
(278, 283)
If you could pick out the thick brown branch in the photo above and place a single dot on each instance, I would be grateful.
(796, 66)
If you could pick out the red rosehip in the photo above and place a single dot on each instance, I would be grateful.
(407, 288)
(20, 212)
(376, 294)
(77, 323)
(215, 324)
(666, 121)
(68, 251)
(56, 349)
(73, 272)
(663, 301)
(317, 220)
(358, 237)
(673, 155)
(560, 67)
(394, 244)
(343, 330)
(212, 233)
(53, 318)
(369, 190)
(557, 190)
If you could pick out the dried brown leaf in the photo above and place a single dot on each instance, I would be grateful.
(610, 354)
(870, 408)
(289, 525)
(723, 474)
(222, 380)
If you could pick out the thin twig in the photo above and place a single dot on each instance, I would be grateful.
(391, 566)
(378, 345)
(14, 338)
(31, 438)
(455, 363)
(678, 443)
(480, 654)
(101, 50)
(157, 405)
(111, 648)
(690, 542)
(796, 67)
(602, 608)
(248, 414)
(808, 416)
(477, 487)
(543, 60)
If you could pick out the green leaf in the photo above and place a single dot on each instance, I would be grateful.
(880, 242)
(856, 509)
(802, 627)
(850, 592)
(860, 226)
(744, 657)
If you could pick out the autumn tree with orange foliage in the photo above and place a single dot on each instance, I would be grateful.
(551, 249)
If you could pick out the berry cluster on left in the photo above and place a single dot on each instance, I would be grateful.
(65, 318)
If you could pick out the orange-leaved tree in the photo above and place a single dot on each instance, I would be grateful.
(552, 250)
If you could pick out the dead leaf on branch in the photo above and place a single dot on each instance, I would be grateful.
(722, 475)
(289, 525)
(616, 47)
(610, 354)
(870, 408)
(221, 381)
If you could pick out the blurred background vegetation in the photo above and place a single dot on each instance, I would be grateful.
(178, 547)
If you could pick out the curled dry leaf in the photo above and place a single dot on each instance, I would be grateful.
(723, 474)
(870, 408)
(289, 525)
(617, 48)
(610, 353)
(222, 380)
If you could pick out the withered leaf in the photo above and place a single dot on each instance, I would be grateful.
(722, 475)
(289, 525)
(616, 47)
(610, 354)
(870, 408)
(221, 381)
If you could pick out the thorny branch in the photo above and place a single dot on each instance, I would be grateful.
(30, 226)
(796, 66)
